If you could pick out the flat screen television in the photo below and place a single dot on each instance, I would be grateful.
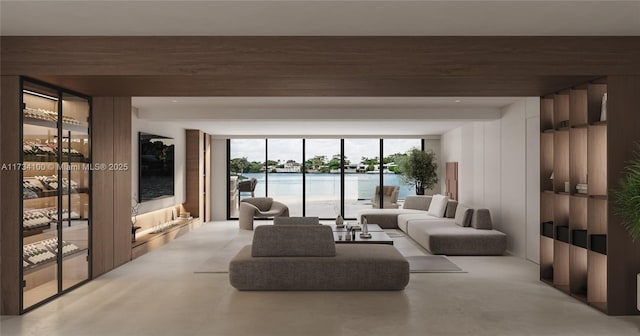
(156, 162)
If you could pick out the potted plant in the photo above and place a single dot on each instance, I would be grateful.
(419, 169)
(626, 200)
(626, 197)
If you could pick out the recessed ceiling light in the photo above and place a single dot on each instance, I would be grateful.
(174, 101)
(457, 100)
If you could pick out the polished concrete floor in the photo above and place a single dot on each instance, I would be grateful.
(159, 294)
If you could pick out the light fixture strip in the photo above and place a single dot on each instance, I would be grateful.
(40, 95)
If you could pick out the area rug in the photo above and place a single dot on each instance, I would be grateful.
(432, 264)
(417, 264)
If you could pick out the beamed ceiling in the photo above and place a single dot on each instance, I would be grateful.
(319, 66)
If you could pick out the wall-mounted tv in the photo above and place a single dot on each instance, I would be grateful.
(156, 162)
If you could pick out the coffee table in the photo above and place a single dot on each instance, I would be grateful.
(378, 236)
(371, 227)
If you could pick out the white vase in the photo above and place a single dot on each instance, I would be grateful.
(339, 220)
(603, 109)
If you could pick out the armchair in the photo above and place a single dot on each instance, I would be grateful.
(390, 197)
(259, 207)
(247, 186)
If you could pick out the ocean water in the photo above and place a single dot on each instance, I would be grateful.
(357, 186)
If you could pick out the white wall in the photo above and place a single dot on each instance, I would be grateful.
(476, 148)
(513, 164)
(218, 179)
(533, 180)
(497, 162)
(166, 129)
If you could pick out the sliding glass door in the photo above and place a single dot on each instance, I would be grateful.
(322, 177)
(395, 150)
(247, 171)
(362, 174)
(284, 173)
(319, 177)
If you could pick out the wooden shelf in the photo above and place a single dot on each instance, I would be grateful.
(598, 123)
(601, 306)
(33, 268)
(147, 242)
(52, 124)
(600, 197)
(580, 296)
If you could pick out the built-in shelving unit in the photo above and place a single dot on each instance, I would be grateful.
(573, 166)
(577, 222)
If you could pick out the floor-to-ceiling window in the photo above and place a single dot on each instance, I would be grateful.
(247, 159)
(322, 177)
(284, 173)
(362, 174)
(395, 150)
(318, 177)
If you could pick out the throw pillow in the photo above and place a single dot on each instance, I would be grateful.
(463, 215)
(452, 205)
(482, 220)
(417, 202)
(438, 205)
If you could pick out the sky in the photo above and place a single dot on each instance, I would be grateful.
(291, 149)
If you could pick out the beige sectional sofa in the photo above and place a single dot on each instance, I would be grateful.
(306, 257)
(462, 230)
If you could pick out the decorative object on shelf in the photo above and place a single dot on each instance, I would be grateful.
(340, 223)
(547, 229)
(603, 109)
(135, 208)
(365, 232)
(582, 188)
(419, 169)
(551, 177)
(626, 198)
(567, 186)
(564, 124)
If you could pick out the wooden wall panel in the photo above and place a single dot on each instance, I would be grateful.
(300, 57)
(321, 66)
(102, 201)
(243, 84)
(194, 171)
(122, 181)
(10, 245)
(207, 180)
(623, 254)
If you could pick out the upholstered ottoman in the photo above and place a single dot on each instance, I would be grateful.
(305, 257)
